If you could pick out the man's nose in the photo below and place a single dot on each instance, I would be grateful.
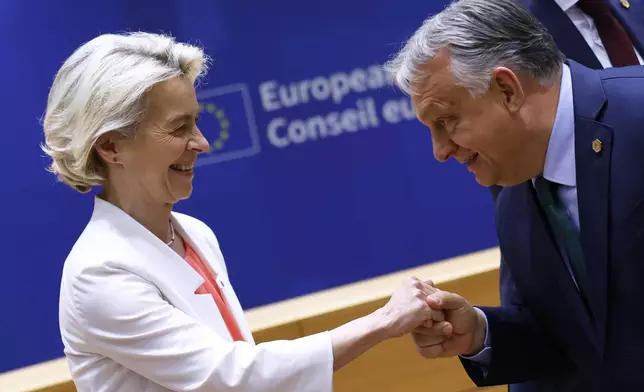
(443, 148)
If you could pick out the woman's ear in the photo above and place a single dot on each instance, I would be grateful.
(108, 147)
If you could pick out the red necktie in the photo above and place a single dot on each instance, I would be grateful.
(615, 39)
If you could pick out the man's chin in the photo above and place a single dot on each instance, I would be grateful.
(484, 181)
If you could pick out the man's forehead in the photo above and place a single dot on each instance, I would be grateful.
(439, 84)
(436, 93)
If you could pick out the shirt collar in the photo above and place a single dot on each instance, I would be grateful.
(560, 156)
(565, 5)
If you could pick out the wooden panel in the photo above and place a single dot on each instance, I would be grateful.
(286, 331)
(65, 387)
(50, 376)
(394, 365)
(367, 291)
(391, 367)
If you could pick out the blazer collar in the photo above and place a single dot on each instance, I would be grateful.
(588, 94)
(157, 262)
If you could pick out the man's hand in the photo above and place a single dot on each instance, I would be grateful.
(467, 326)
(406, 310)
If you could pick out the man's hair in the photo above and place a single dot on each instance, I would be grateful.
(479, 35)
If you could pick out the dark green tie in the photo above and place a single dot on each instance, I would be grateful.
(566, 234)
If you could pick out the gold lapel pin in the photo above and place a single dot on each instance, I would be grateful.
(597, 145)
(625, 4)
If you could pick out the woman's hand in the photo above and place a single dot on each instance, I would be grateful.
(408, 309)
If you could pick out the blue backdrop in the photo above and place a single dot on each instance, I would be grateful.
(319, 175)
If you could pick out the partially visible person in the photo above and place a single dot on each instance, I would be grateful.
(595, 33)
(145, 299)
(566, 142)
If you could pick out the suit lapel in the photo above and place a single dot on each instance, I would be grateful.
(568, 38)
(541, 276)
(174, 277)
(632, 18)
(593, 142)
(214, 262)
(547, 263)
(150, 252)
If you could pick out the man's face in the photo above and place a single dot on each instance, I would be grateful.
(485, 133)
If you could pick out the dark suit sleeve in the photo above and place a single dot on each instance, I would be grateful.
(520, 351)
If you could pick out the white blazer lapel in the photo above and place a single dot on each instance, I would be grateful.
(215, 262)
(238, 312)
(174, 277)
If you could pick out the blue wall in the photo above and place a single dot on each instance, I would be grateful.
(350, 192)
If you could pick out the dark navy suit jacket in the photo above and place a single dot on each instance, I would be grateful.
(542, 337)
(574, 47)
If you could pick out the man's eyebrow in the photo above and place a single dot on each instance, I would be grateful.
(433, 106)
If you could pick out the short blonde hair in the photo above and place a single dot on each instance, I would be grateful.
(101, 88)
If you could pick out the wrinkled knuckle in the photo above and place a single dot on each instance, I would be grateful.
(418, 284)
(414, 292)
(427, 352)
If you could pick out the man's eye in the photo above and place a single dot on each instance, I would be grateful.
(441, 123)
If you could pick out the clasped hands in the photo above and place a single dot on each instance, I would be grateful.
(441, 324)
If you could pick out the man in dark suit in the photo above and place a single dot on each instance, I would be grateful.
(595, 33)
(567, 144)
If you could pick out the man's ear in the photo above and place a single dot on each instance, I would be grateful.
(109, 146)
(508, 87)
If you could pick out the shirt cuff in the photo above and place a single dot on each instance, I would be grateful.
(483, 357)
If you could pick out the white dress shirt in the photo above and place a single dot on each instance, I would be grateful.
(586, 27)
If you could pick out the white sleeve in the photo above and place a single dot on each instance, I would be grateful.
(125, 318)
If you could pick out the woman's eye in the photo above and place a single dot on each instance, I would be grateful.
(181, 129)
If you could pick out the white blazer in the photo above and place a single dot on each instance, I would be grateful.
(130, 319)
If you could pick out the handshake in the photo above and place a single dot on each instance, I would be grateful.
(442, 324)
